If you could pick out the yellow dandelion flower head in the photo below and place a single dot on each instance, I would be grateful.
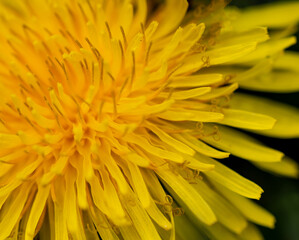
(112, 113)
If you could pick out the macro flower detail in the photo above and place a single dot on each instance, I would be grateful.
(115, 117)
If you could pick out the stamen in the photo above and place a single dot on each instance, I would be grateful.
(55, 114)
(58, 110)
(67, 49)
(216, 135)
(91, 9)
(71, 13)
(122, 51)
(85, 63)
(199, 126)
(3, 123)
(63, 69)
(191, 175)
(108, 29)
(23, 88)
(12, 47)
(16, 34)
(169, 199)
(94, 50)
(82, 12)
(147, 53)
(170, 93)
(114, 102)
(48, 31)
(101, 109)
(123, 86)
(73, 39)
(178, 211)
(78, 108)
(59, 20)
(62, 33)
(31, 124)
(92, 73)
(83, 68)
(27, 29)
(124, 36)
(102, 74)
(133, 69)
(228, 78)
(47, 48)
(206, 61)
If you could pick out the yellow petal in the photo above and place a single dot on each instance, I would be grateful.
(248, 208)
(5, 168)
(147, 146)
(201, 147)
(151, 109)
(287, 124)
(141, 220)
(139, 185)
(246, 120)
(265, 50)
(56, 168)
(287, 61)
(59, 210)
(216, 56)
(29, 138)
(218, 92)
(12, 210)
(9, 140)
(195, 164)
(113, 168)
(103, 226)
(230, 53)
(178, 145)
(190, 115)
(158, 216)
(242, 145)
(275, 81)
(258, 34)
(129, 232)
(192, 93)
(90, 231)
(171, 16)
(287, 167)
(261, 67)
(112, 198)
(231, 180)
(199, 80)
(136, 159)
(251, 233)
(97, 195)
(286, 14)
(153, 184)
(140, 13)
(36, 211)
(8, 188)
(218, 231)
(186, 230)
(225, 212)
(191, 35)
(188, 196)
(71, 203)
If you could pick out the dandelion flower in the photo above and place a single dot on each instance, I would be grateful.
(115, 117)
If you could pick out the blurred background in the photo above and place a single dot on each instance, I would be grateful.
(281, 195)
